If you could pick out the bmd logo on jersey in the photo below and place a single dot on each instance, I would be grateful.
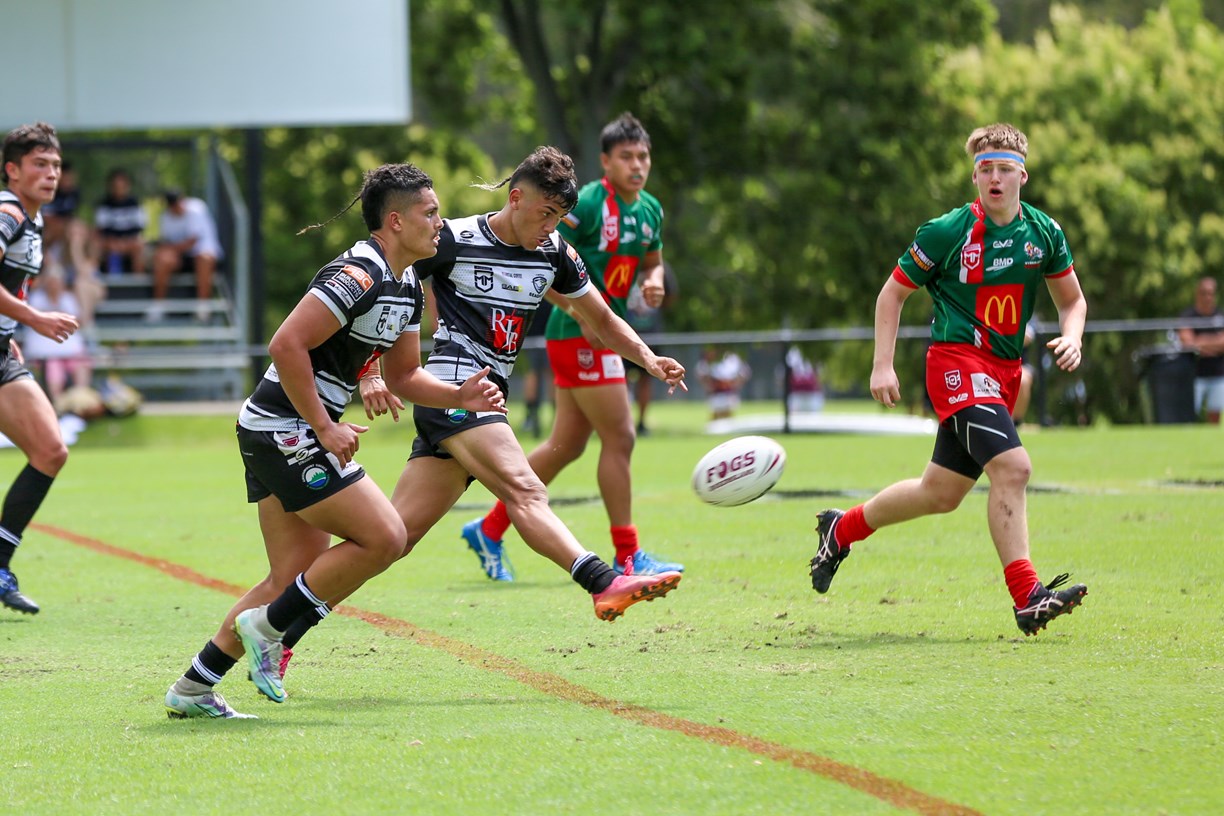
(315, 477)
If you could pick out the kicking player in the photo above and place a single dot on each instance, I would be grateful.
(617, 228)
(489, 276)
(982, 264)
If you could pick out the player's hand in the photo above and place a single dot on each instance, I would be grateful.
(341, 439)
(669, 371)
(652, 293)
(1068, 352)
(480, 394)
(59, 326)
(378, 399)
(885, 387)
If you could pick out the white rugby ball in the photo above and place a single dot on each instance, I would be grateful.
(738, 471)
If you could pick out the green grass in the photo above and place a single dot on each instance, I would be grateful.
(506, 698)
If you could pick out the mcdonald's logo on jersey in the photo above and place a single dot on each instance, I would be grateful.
(998, 307)
(619, 274)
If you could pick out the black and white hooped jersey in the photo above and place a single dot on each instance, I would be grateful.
(21, 242)
(487, 292)
(373, 308)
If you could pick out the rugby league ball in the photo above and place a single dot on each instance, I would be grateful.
(738, 471)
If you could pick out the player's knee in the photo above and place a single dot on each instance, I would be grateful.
(386, 544)
(50, 457)
(526, 495)
(945, 501)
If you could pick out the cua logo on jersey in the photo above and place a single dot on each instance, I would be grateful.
(505, 330)
(952, 379)
(315, 477)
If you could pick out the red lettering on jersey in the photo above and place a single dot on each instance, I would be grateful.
(505, 330)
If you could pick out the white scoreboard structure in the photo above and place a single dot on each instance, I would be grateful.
(86, 65)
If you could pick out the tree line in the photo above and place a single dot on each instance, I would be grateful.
(799, 143)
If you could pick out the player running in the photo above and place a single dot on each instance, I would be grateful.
(981, 264)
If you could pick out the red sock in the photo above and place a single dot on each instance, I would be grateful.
(1021, 578)
(496, 523)
(851, 527)
(625, 540)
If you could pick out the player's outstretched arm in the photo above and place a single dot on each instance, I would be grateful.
(885, 387)
(594, 313)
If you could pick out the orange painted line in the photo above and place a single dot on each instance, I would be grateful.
(891, 791)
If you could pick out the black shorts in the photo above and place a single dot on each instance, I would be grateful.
(292, 466)
(10, 369)
(970, 438)
(433, 425)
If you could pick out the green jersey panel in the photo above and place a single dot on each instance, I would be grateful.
(612, 237)
(984, 281)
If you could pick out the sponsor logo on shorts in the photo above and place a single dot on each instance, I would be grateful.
(586, 357)
(952, 379)
(985, 386)
(315, 477)
(457, 415)
(957, 398)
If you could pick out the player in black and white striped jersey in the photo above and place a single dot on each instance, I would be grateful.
(32, 167)
(298, 452)
(489, 276)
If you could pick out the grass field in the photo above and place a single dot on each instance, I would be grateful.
(907, 688)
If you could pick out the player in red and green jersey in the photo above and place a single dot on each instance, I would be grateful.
(982, 264)
(617, 228)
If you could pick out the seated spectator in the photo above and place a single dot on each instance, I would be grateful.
(806, 394)
(188, 244)
(722, 379)
(58, 362)
(120, 221)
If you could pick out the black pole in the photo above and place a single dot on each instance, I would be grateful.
(258, 291)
